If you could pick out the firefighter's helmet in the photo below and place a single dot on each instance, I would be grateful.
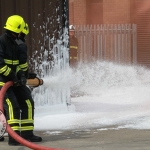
(15, 23)
(26, 29)
(72, 28)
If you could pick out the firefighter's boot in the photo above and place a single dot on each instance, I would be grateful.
(2, 139)
(12, 141)
(30, 136)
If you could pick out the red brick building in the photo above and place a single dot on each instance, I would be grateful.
(100, 11)
(83, 12)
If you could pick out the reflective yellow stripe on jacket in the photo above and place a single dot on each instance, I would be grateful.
(18, 68)
(5, 70)
(24, 66)
(75, 47)
(2, 83)
(73, 57)
(11, 62)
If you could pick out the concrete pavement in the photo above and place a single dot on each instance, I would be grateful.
(94, 139)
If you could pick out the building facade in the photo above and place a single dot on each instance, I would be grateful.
(90, 12)
(100, 11)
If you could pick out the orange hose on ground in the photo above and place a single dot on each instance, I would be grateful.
(11, 131)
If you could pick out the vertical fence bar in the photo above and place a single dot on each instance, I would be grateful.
(84, 49)
(91, 42)
(98, 41)
(119, 47)
(115, 43)
(112, 42)
(94, 42)
(129, 42)
(108, 42)
(134, 38)
(122, 44)
(105, 41)
(88, 44)
(125, 44)
(82, 38)
(101, 42)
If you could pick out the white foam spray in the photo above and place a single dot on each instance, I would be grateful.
(102, 94)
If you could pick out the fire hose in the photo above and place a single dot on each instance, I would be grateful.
(30, 82)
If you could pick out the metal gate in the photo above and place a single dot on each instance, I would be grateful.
(111, 42)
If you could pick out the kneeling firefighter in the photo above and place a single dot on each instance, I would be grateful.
(18, 102)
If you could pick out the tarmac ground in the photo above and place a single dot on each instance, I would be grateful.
(93, 139)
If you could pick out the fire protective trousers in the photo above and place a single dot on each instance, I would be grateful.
(19, 108)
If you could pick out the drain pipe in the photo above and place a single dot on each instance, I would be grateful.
(11, 131)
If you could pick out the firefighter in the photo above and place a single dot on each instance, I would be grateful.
(73, 46)
(26, 123)
(17, 101)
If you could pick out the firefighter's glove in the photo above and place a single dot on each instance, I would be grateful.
(32, 75)
(23, 80)
(16, 81)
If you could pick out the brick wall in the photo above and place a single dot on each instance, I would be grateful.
(71, 12)
(78, 14)
(114, 11)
